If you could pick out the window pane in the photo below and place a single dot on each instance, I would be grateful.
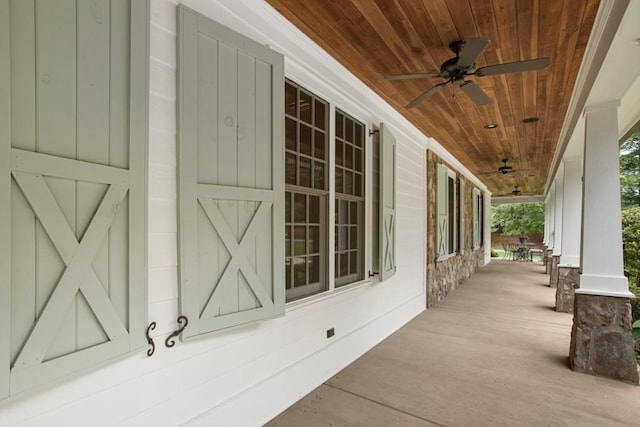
(354, 213)
(357, 159)
(353, 238)
(359, 135)
(305, 139)
(339, 153)
(314, 269)
(287, 241)
(305, 172)
(348, 182)
(299, 272)
(318, 175)
(358, 190)
(299, 240)
(305, 107)
(290, 100)
(320, 115)
(348, 130)
(314, 209)
(339, 124)
(300, 208)
(290, 134)
(344, 264)
(348, 156)
(343, 244)
(353, 262)
(290, 169)
(343, 212)
(287, 270)
(314, 240)
(319, 146)
(287, 206)
(339, 180)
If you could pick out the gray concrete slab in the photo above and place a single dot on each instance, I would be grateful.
(494, 353)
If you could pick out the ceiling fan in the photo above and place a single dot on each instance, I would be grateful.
(456, 69)
(515, 193)
(507, 169)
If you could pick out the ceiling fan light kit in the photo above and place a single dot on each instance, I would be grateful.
(490, 126)
(455, 71)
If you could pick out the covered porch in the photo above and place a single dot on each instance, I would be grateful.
(495, 352)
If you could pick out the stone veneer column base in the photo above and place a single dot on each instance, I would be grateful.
(568, 282)
(544, 255)
(601, 340)
(547, 261)
(553, 278)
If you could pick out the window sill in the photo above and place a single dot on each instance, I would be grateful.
(445, 257)
(313, 299)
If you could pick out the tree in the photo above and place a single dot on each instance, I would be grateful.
(518, 219)
(630, 171)
(631, 240)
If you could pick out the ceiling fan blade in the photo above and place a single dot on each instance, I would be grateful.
(514, 67)
(437, 88)
(474, 92)
(412, 76)
(472, 49)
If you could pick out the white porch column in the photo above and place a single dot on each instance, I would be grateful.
(552, 213)
(487, 227)
(571, 212)
(602, 262)
(545, 239)
(557, 217)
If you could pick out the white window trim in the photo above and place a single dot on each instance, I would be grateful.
(451, 174)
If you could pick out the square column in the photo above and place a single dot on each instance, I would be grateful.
(601, 340)
(557, 216)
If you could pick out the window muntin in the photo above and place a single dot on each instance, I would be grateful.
(349, 196)
(306, 192)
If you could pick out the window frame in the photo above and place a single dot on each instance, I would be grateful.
(328, 229)
(452, 206)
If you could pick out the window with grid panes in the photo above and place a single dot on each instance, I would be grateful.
(349, 196)
(306, 192)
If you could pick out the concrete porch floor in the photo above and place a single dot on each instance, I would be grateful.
(493, 353)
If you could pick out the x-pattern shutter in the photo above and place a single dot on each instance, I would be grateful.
(442, 225)
(73, 192)
(387, 203)
(231, 179)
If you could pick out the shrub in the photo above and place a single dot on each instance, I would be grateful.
(494, 253)
(631, 242)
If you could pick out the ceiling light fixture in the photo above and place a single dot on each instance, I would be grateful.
(530, 119)
(490, 126)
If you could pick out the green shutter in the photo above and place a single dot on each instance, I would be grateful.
(231, 178)
(462, 224)
(387, 215)
(442, 221)
(73, 190)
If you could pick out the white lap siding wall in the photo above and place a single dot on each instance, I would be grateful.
(248, 374)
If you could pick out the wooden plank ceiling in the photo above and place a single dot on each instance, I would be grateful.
(377, 38)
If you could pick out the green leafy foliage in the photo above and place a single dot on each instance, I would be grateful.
(518, 219)
(631, 243)
(630, 171)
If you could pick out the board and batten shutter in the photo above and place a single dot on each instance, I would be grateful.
(476, 226)
(231, 177)
(73, 132)
(442, 219)
(462, 225)
(387, 215)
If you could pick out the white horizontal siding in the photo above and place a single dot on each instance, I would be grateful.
(264, 366)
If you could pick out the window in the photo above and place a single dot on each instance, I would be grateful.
(461, 220)
(446, 240)
(306, 192)
(477, 218)
(307, 195)
(349, 173)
